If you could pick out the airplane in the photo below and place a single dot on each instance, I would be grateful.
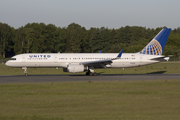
(81, 62)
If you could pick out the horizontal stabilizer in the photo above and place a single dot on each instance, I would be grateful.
(161, 58)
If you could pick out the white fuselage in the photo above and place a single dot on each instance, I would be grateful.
(63, 59)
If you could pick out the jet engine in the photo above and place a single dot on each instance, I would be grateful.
(74, 68)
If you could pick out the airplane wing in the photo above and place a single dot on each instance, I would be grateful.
(97, 63)
(102, 63)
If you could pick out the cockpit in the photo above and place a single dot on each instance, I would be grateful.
(13, 59)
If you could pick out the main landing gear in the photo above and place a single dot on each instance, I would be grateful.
(91, 72)
(25, 71)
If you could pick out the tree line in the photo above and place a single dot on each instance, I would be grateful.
(42, 38)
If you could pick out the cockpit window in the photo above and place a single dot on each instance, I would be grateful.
(13, 59)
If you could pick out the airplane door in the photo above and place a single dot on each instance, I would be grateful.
(23, 60)
(141, 58)
(55, 59)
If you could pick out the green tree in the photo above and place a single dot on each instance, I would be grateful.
(37, 36)
(95, 41)
(19, 41)
(49, 38)
(86, 42)
(6, 40)
(74, 37)
(60, 40)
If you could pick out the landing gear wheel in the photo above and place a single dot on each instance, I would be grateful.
(87, 73)
(25, 71)
(26, 74)
(94, 74)
(91, 74)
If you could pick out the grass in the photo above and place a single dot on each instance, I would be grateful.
(136, 100)
(164, 67)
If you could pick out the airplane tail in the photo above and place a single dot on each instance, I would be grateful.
(156, 46)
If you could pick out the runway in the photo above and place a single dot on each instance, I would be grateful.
(80, 77)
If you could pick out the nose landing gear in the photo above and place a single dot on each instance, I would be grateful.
(25, 71)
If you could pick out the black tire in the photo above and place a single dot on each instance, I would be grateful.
(91, 74)
(94, 74)
(87, 73)
(26, 74)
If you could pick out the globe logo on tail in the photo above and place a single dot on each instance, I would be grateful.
(153, 48)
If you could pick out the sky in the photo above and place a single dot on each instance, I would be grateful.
(92, 13)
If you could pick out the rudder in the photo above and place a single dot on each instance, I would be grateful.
(156, 46)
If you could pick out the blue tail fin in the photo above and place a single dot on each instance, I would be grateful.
(156, 46)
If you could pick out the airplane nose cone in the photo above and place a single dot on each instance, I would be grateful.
(7, 63)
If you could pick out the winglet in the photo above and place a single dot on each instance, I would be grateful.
(100, 51)
(119, 55)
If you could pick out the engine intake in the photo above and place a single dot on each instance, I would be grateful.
(74, 68)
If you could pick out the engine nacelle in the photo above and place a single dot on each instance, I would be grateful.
(74, 68)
